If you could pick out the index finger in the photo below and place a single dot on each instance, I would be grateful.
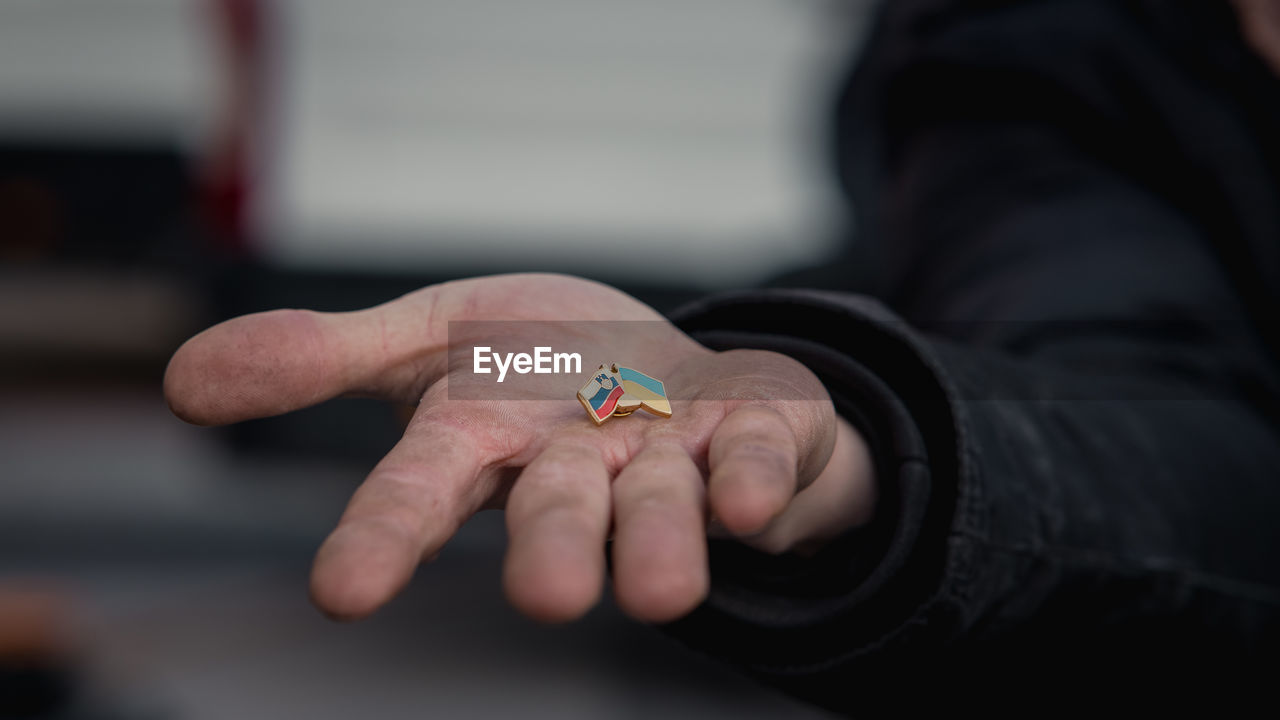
(275, 362)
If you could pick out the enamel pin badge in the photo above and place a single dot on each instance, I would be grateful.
(615, 391)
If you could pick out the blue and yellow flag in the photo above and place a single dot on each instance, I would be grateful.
(621, 391)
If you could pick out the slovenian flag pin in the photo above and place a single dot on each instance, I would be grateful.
(614, 391)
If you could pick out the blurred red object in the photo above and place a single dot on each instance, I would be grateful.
(228, 183)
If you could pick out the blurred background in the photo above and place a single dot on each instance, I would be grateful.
(165, 164)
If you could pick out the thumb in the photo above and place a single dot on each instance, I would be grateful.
(275, 362)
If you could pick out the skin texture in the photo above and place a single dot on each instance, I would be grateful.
(754, 449)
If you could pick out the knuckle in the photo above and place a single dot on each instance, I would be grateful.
(635, 498)
(567, 455)
(659, 495)
(757, 420)
(559, 479)
(759, 446)
(770, 449)
(662, 449)
(777, 461)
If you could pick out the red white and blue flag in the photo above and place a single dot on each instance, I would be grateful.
(612, 389)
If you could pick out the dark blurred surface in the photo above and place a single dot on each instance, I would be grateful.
(93, 202)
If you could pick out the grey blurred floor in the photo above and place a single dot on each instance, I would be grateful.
(187, 572)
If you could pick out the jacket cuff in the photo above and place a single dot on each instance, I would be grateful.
(876, 587)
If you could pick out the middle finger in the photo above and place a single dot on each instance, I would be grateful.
(660, 546)
(557, 518)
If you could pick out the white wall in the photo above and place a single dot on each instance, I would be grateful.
(446, 132)
(105, 69)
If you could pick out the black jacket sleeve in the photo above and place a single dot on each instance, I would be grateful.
(1075, 433)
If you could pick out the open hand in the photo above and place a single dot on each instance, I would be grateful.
(750, 431)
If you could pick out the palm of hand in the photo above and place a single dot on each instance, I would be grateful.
(749, 429)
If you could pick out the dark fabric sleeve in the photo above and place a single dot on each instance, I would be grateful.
(1075, 435)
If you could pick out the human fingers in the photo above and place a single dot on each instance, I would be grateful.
(275, 362)
(843, 496)
(557, 520)
(413, 501)
(753, 457)
(659, 547)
